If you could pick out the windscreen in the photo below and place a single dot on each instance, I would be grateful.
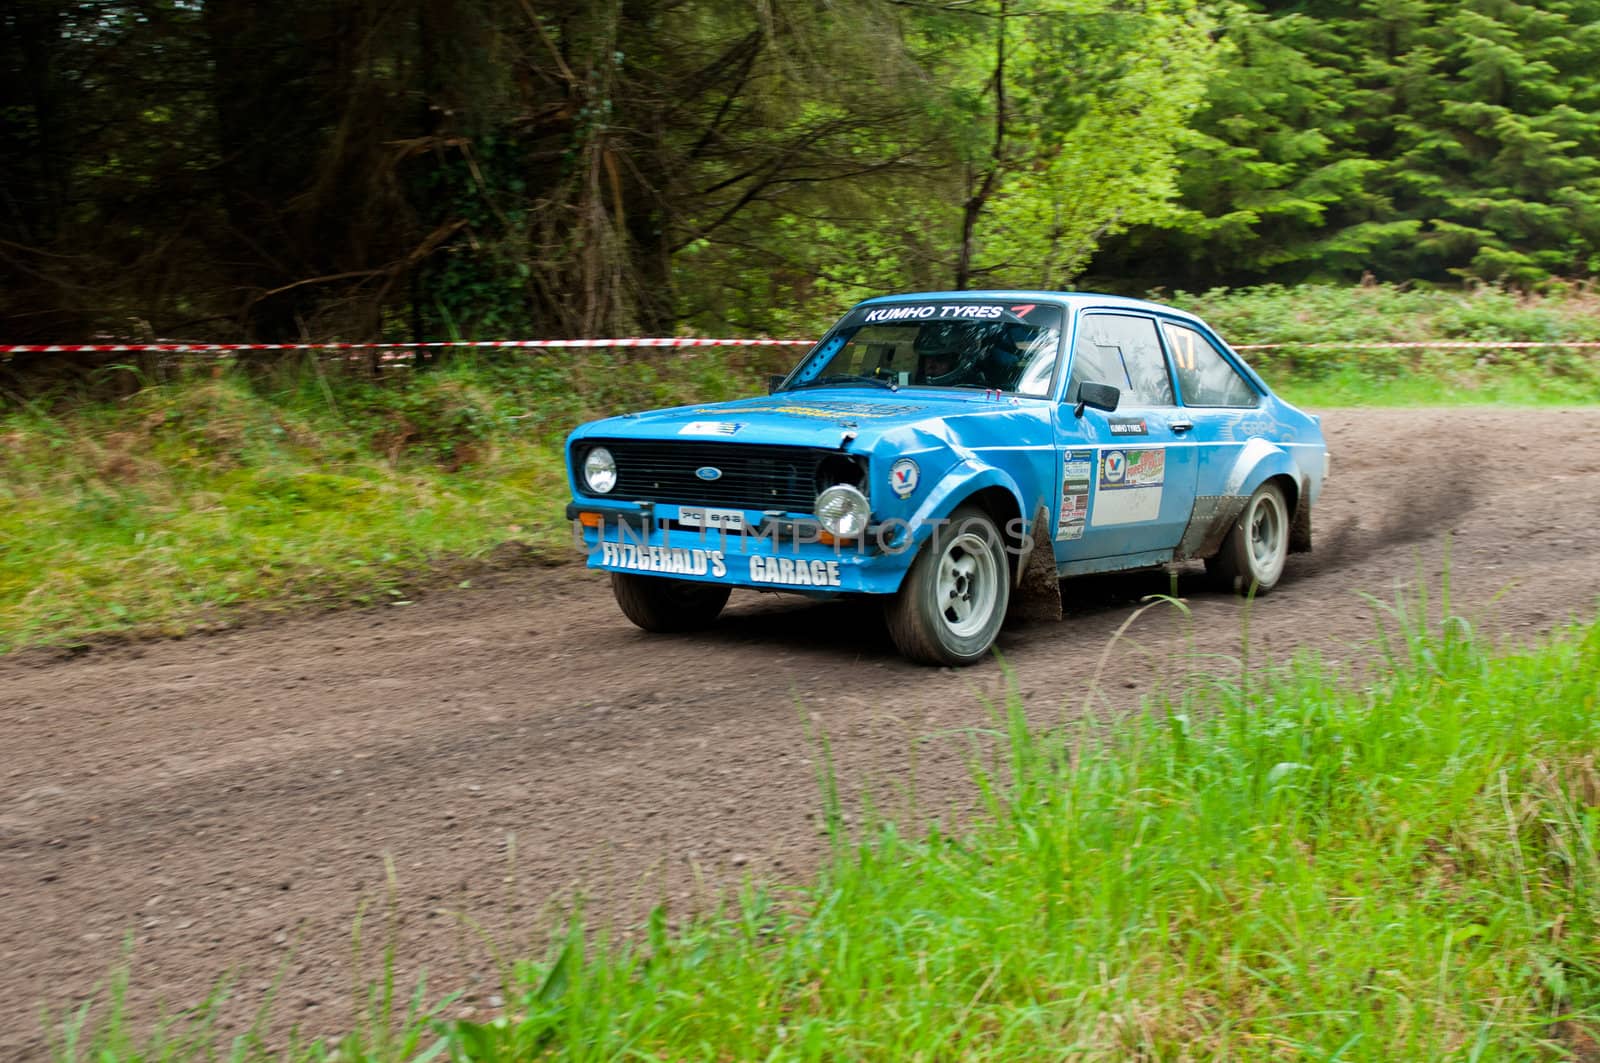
(996, 346)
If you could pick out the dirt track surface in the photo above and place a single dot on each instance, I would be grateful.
(231, 800)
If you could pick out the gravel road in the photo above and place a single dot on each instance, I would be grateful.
(468, 763)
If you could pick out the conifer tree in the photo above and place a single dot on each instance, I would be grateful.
(1403, 139)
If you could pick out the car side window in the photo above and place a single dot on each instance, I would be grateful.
(1204, 376)
(1122, 351)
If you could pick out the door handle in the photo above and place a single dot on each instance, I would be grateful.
(1181, 427)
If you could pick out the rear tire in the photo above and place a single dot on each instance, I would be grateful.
(951, 604)
(664, 605)
(1253, 554)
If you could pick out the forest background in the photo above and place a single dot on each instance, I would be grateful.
(430, 169)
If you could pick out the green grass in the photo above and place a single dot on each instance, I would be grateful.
(1324, 313)
(1336, 376)
(208, 495)
(202, 495)
(1441, 385)
(1303, 869)
(198, 496)
(1278, 864)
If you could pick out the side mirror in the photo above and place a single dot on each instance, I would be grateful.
(774, 380)
(1100, 396)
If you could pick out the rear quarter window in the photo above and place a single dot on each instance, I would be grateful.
(1204, 376)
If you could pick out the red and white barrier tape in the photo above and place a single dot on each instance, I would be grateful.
(672, 341)
(1478, 345)
(224, 348)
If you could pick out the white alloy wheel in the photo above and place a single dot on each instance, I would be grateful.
(969, 581)
(1257, 545)
(953, 599)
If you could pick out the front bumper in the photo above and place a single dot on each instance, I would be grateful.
(775, 553)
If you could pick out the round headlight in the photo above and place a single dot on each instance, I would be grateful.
(843, 511)
(599, 470)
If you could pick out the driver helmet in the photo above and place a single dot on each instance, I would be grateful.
(947, 351)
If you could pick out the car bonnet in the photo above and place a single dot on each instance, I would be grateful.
(825, 417)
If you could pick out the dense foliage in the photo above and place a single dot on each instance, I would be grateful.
(1415, 139)
(220, 168)
(563, 167)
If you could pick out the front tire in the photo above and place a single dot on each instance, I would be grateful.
(1253, 554)
(664, 605)
(953, 600)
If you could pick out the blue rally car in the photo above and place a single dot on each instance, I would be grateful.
(955, 454)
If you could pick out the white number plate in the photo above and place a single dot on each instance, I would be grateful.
(701, 517)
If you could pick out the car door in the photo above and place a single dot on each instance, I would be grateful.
(1128, 477)
(1222, 404)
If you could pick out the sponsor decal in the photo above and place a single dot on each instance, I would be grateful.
(1143, 468)
(830, 410)
(1113, 468)
(1074, 512)
(708, 472)
(934, 312)
(1130, 486)
(1248, 425)
(667, 560)
(1076, 470)
(710, 428)
(903, 477)
(794, 572)
(1127, 426)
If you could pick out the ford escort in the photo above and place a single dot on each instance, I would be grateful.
(954, 455)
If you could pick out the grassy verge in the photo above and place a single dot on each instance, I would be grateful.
(1317, 313)
(1442, 380)
(193, 497)
(1320, 314)
(1277, 865)
(199, 495)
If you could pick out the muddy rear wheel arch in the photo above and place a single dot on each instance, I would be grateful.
(1252, 556)
(1300, 522)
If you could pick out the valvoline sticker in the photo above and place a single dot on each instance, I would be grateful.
(903, 477)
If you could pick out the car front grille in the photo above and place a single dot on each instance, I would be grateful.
(754, 475)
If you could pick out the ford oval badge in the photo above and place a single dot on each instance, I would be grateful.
(708, 472)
